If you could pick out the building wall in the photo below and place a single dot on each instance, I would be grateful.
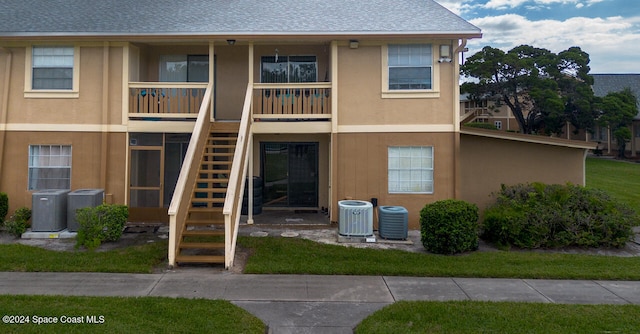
(87, 108)
(86, 166)
(98, 158)
(487, 163)
(360, 92)
(362, 169)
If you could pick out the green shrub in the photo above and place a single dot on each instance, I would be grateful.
(4, 206)
(449, 226)
(481, 125)
(537, 215)
(18, 222)
(100, 224)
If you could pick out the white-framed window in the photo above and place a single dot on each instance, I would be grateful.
(409, 71)
(410, 169)
(52, 71)
(52, 68)
(498, 124)
(49, 167)
(410, 66)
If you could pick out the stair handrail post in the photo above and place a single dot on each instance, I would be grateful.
(235, 190)
(179, 204)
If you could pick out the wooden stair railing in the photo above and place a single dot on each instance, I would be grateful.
(202, 237)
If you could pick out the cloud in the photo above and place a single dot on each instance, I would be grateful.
(610, 41)
(533, 4)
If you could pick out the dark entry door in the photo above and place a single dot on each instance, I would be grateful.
(290, 173)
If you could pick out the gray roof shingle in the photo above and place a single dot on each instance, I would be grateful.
(230, 17)
(609, 83)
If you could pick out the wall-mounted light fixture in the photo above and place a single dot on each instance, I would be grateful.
(353, 44)
(445, 53)
(231, 41)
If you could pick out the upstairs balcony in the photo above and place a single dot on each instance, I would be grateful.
(157, 101)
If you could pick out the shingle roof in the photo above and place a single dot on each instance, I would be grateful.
(228, 17)
(608, 83)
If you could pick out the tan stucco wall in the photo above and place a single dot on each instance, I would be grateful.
(360, 92)
(362, 161)
(87, 108)
(85, 169)
(486, 163)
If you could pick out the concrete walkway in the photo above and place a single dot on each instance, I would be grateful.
(316, 304)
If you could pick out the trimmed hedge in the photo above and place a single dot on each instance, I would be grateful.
(100, 224)
(449, 226)
(537, 215)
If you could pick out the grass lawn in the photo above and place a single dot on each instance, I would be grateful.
(127, 315)
(273, 255)
(618, 178)
(135, 259)
(488, 317)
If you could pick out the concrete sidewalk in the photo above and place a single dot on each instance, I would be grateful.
(317, 304)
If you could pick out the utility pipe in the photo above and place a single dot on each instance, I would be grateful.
(4, 108)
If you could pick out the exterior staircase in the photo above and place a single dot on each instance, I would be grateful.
(202, 237)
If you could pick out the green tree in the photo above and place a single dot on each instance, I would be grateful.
(617, 110)
(543, 90)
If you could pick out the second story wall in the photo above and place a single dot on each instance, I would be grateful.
(96, 68)
(363, 100)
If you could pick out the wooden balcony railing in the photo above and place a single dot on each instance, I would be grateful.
(292, 101)
(165, 99)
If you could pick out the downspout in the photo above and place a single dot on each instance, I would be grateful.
(457, 173)
(104, 153)
(4, 108)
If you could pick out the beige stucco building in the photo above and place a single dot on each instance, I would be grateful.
(169, 112)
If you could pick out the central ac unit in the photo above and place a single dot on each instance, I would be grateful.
(356, 218)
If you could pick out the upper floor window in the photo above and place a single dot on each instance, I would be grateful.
(52, 68)
(49, 167)
(184, 68)
(410, 67)
(289, 69)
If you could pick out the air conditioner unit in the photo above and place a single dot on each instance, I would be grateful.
(393, 222)
(356, 218)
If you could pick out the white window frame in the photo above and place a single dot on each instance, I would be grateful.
(498, 124)
(29, 92)
(410, 170)
(51, 161)
(434, 92)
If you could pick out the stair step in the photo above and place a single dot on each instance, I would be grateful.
(219, 154)
(205, 210)
(221, 146)
(202, 233)
(208, 200)
(221, 138)
(220, 190)
(219, 221)
(214, 171)
(202, 245)
(212, 180)
(200, 258)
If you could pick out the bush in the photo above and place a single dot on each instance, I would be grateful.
(4, 206)
(18, 222)
(449, 227)
(551, 216)
(100, 224)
